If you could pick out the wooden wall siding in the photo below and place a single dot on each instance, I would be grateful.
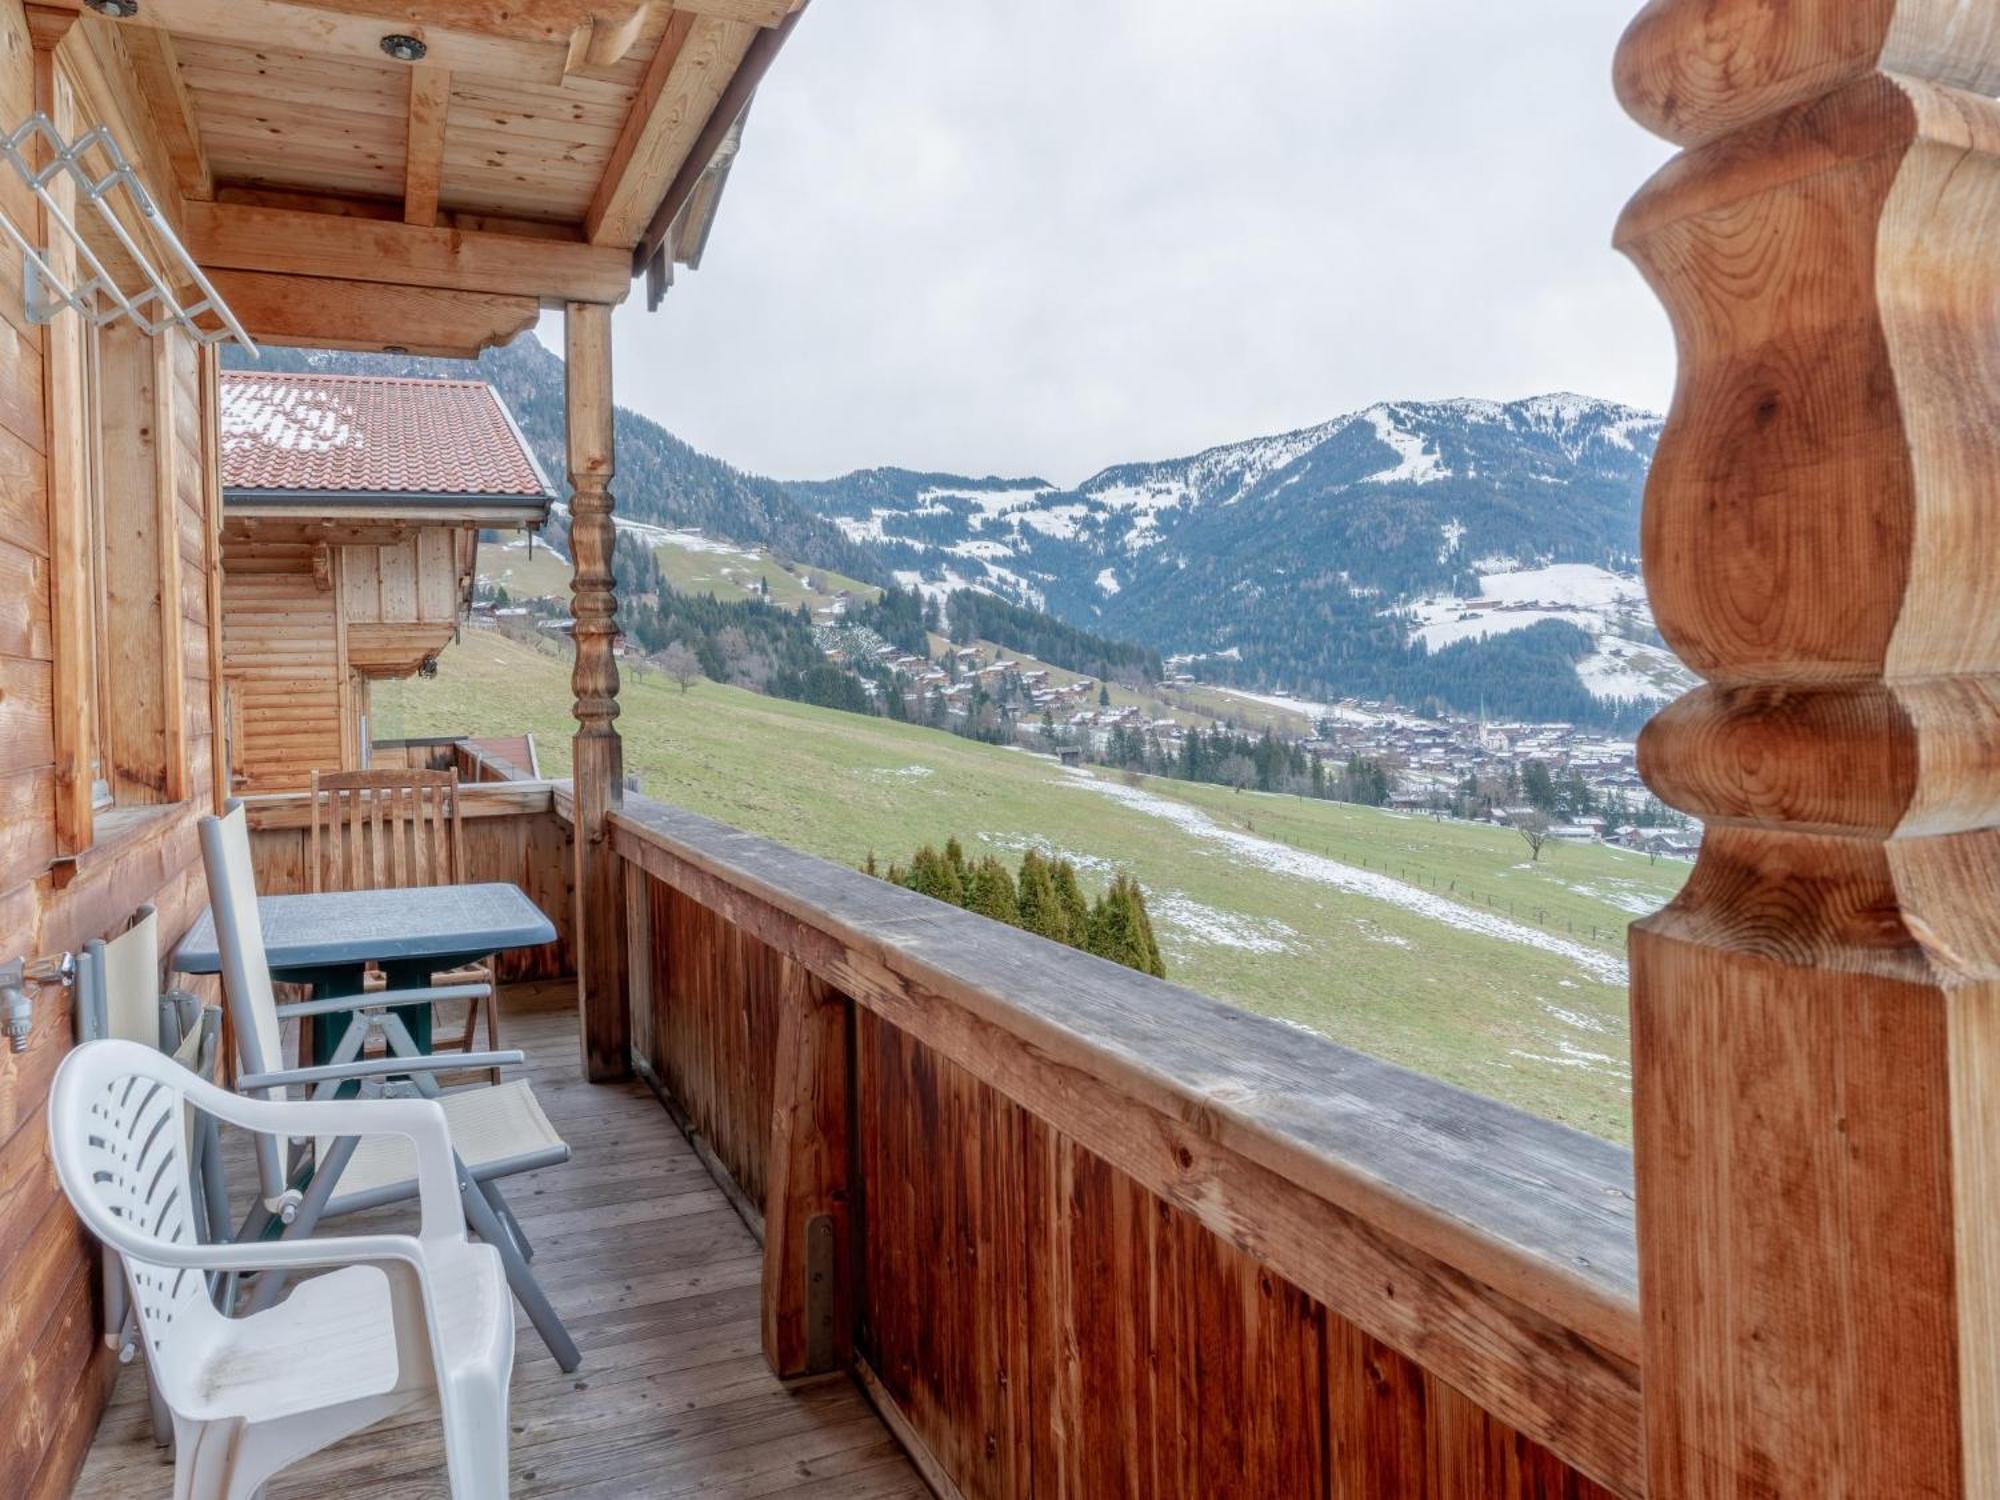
(1050, 1328)
(401, 599)
(285, 662)
(54, 1372)
(714, 996)
(1044, 1323)
(518, 839)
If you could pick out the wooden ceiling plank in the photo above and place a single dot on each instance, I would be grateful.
(430, 105)
(679, 92)
(322, 28)
(243, 238)
(156, 68)
(543, 22)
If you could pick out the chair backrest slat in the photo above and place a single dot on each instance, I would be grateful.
(389, 829)
(135, 1148)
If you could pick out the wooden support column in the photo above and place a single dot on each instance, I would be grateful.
(1816, 1019)
(598, 764)
(63, 413)
(808, 1251)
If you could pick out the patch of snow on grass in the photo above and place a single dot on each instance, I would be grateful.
(913, 773)
(1282, 859)
(1625, 896)
(1198, 922)
(1569, 1055)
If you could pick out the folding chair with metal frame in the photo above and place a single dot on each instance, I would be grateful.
(496, 1130)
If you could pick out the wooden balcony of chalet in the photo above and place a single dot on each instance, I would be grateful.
(881, 1194)
(1066, 1228)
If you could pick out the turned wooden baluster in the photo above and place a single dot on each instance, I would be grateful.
(598, 765)
(1816, 1020)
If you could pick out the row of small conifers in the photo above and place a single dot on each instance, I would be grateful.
(1044, 898)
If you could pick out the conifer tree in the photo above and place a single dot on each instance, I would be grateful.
(932, 874)
(1076, 909)
(954, 855)
(1142, 923)
(1040, 907)
(992, 893)
(1113, 932)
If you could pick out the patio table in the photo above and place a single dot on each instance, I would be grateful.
(328, 939)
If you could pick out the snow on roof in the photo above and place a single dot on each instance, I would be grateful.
(371, 435)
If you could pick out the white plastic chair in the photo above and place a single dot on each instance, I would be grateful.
(396, 1317)
(119, 997)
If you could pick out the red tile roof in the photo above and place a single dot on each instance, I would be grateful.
(368, 435)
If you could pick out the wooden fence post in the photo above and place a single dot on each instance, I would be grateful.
(808, 1315)
(1816, 1019)
(599, 760)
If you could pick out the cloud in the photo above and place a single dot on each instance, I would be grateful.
(1042, 236)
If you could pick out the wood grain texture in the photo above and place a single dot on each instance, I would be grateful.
(598, 758)
(658, 1280)
(1812, 1057)
(423, 168)
(1166, 1093)
(241, 237)
(156, 68)
(809, 1269)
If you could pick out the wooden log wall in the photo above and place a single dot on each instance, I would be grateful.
(1035, 1317)
(68, 874)
(511, 834)
(285, 657)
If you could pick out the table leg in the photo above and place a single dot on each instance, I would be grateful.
(412, 974)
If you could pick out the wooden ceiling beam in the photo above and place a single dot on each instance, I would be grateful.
(156, 68)
(686, 80)
(317, 313)
(238, 237)
(423, 163)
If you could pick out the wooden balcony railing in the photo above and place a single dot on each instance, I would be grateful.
(1084, 1232)
(1081, 1231)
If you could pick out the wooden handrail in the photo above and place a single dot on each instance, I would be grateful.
(1494, 1249)
(479, 799)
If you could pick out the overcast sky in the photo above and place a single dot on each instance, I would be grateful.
(1043, 236)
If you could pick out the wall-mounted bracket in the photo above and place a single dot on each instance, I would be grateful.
(99, 299)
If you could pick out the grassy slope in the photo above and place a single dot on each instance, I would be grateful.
(1509, 1020)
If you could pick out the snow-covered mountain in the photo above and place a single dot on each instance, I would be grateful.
(1351, 556)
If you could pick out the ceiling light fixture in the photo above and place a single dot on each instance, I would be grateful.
(118, 10)
(402, 48)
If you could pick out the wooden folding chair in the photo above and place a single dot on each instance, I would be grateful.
(389, 830)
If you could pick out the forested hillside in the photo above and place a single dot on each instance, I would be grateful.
(660, 478)
(1346, 559)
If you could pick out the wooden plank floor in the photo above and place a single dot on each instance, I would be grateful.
(657, 1278)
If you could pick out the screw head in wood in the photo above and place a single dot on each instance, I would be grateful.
(404, 48)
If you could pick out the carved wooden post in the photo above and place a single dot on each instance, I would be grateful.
(1816, 1020)
(808, 1312)
(598, 763)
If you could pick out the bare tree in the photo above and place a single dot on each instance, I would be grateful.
(681, 664)
(1534, 831)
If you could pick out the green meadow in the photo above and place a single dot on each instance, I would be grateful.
(1438, 945)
